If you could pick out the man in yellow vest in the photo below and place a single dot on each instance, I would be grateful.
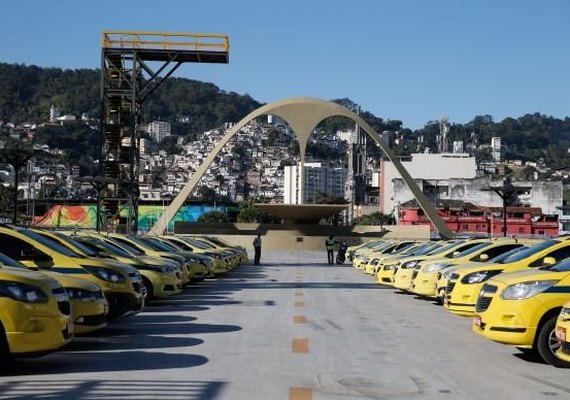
(329, 244)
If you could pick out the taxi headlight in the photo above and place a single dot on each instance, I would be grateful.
(81, 294)
(409, 264)
(526, 290)
(478, 277)
(447, 274)
(22, 292)
(106, 274)
(436, 267)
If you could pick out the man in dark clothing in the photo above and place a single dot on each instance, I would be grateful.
(329, 244)
(257, 248)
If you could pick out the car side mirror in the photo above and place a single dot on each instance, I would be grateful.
(549, 261)
(483, 257)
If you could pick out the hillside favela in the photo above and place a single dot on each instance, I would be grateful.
(452, 163)
(318, 202)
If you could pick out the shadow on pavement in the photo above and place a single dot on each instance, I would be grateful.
(110, 389)
(76, 362)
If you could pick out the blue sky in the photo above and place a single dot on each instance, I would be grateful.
(412, 60)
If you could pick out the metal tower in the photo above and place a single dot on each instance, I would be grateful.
(133, 66)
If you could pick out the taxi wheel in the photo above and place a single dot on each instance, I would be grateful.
(4, 349)
(547, 344)
(149, 289)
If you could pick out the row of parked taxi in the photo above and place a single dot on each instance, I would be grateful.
(56, 284)
(516, 290)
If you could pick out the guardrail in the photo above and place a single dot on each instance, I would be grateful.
(166, 41)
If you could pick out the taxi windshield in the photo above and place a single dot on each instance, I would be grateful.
(471, 250)
(10, 262)
(50, 243)
(562, 266)
(521, 255)
(501, 257)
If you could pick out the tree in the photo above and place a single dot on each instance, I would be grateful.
(376, 218)
(214, 217)
(249, 212)
(17, 153)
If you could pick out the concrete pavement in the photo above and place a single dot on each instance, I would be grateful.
(293, 328)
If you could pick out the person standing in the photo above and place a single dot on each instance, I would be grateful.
(329, 244)
(257, 248)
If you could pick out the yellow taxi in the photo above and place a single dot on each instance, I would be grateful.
(207, 261)
(240, 250)
(521, 309)
(197, 270)
(161, 278)
(405, 272)
(424, 277)
(222, 263)
(364, 256)
(230, 256)
(465, 284)
(353, 251)
(136, 244)
(121, 283)
(387, 269)
(89, 307)
(563, 333)
(377, 257)
(445, 275)
(35, 314)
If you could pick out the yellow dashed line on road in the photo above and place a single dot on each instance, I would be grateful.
(299, 304)
(299, 345)
(299, 319)
(298, 293)
(297, 393)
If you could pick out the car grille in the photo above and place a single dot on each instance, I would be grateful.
(64, 307)
(449, 288)
(483, 302)
(137, 286)
(62, 300)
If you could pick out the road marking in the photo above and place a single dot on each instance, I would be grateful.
(297, 393)
(299, 304)
(298, 293)
(299, 345)
(299, 319)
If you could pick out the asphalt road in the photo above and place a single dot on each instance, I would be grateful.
(293, 328)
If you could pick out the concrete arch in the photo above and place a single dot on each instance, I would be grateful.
(303, 114)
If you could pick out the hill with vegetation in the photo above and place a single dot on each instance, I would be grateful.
(192, 107)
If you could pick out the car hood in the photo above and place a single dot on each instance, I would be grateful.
(510, 278)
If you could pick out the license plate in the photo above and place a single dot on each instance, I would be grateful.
(477, 321)
(69, 327)
(561, 334)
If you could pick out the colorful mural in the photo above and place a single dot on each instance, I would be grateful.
(63, 216)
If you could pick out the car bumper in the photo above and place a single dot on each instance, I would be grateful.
(424, 285)
(124, 304)
(511, 322)
(40, 334)
(88, 316)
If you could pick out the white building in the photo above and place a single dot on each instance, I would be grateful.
(458, 146)
(158, 130)
(317, 180)
(434, 167)
(350, 136)
(496, 148)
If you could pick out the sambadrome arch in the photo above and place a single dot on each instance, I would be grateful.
(303, 114)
